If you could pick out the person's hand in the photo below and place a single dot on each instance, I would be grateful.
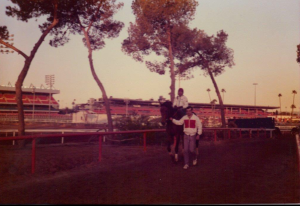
(197, 137)
(171, 118)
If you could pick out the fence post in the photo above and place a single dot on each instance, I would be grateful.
(145, 141)
(100, 147)
(257, 132)
(33, 157)
(215, 135)
(271, 133)
(240, 133)
(14, 134)
(62, 138)
(229, 133)
(250, 133)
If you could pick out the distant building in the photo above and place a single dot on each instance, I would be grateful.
(38, 103)
(206, 112)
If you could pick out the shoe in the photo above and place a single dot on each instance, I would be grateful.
(195, 162)
(185, 167)
(176, 157)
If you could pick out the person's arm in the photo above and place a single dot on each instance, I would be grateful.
(185, 102)
(178, 122)
(199, 126)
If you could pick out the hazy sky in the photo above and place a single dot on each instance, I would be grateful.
(262, 33)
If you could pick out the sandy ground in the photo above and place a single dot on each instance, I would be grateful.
(257, 170)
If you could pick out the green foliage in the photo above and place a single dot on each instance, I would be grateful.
(4, 34)
(96, 17)
(139, 122)
(156, 21)
(209, 53)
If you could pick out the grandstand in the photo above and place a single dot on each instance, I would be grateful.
(204, 111)
(38, 103)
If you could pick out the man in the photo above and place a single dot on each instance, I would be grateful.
(181, 102)
(192, 129)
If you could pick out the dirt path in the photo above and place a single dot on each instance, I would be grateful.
(236, 171)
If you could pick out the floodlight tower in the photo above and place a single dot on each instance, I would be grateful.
(33, 91)
(50, 82)
(126, 100)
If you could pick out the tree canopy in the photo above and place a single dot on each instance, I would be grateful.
(96, 16)
(158, 29)
(209, 53)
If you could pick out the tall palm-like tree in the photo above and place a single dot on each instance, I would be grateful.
(292, 107)
(294, 92)
(223, 91)
(279, 95)
(208, 90)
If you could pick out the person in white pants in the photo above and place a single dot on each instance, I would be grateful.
(192, 129)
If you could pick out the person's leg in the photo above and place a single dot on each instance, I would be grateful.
(192, 149)
(177, 146)
(197, 147)
(186, 149)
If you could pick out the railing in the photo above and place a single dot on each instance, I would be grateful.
(101, 134)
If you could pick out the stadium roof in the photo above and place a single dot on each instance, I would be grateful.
(29, 90)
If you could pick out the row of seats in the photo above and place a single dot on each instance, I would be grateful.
(27, 99)
(37, 115)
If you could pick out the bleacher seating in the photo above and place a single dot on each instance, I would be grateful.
(9, 96)
(33, 99)
(2, 100)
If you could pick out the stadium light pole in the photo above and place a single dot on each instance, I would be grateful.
(50, 82)
(255, 84)
(33, 91)
(127, 102)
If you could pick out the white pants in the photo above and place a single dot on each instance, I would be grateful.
(189, 143)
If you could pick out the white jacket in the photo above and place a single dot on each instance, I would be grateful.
(181, 101)
(191, 125)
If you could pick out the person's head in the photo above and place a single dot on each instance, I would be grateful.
(189, 111)
(180, 91)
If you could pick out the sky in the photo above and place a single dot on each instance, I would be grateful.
(262, 33)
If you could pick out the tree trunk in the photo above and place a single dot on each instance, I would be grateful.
(105, 99)
(219, 97)
(171, 58)
(22, 76)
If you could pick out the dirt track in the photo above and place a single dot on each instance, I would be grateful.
(235, 171)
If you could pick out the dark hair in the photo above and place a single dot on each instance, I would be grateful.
(189, 107)
(180, 89)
